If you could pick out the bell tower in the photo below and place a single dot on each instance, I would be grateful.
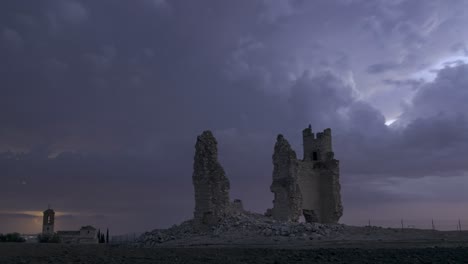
(48, 222)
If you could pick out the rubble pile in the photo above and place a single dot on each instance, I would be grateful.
(241, 226)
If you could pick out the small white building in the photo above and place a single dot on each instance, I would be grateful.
(86, 235)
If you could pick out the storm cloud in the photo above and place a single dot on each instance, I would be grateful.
(101, 102)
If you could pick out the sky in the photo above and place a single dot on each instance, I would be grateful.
(101, 103)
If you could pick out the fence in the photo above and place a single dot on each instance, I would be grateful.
(435, 224)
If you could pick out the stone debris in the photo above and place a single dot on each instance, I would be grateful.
(210, 182)
(239, 227)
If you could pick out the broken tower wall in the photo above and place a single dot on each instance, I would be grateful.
(287, 203)
(210, 182)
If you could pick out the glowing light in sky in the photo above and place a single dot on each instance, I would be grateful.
(430, 73)
(390, 121)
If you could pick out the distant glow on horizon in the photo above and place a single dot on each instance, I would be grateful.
(36, 213)
(32, 213)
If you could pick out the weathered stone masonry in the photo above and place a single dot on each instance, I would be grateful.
(287, 204)
(210, 182)
(310, 186)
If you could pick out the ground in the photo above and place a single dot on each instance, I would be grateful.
(417, 251)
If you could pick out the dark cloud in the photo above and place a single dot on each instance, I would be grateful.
(446, 95)
(106, 98)
(17, 215)
(12, 39)
(460, 46)
(408, 82)
(428, 139)
(381, 67)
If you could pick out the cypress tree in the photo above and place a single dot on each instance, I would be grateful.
(107, 236)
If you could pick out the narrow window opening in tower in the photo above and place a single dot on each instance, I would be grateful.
(314, 156)
(48, 219)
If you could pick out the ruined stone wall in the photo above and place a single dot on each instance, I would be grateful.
(320, 188)
(309, 187)
(237, 207)
(316, 147)
(210, 182)
(309, 184)
(331, 206)
(308, 139)
(287, 203)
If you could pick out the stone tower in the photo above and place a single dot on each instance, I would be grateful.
(48, 222)
(317, 149)
(317, 178)
(210, 182)
(287, 203)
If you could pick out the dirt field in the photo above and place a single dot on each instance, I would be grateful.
(326, 252)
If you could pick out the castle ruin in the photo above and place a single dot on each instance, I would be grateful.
(309, 187)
